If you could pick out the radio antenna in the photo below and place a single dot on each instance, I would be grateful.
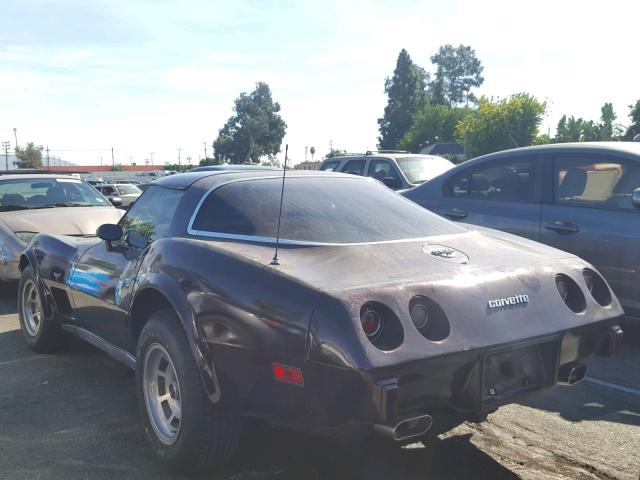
(275, 260)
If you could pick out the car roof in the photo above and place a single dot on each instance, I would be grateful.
(358, 156)
(33, 176)
(183, 181)
(632, 148)
(211, 168)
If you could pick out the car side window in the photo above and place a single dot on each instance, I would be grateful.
(107, 190)
(596, 181)
(151, 215)
(354, 167)
(512, 180)
(381, 169)
(330, 166)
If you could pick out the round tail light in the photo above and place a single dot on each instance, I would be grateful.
(371, 323)
(597, 287)
(571, 293)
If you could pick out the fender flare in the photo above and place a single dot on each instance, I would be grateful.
(170, 289)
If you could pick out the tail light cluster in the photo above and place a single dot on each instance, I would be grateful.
(597, 287)
(571, 293)
(384, 330)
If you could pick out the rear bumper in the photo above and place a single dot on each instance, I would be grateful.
(451, 388)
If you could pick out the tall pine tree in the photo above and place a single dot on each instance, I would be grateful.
(406, 92)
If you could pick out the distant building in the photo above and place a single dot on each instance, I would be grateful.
(452, 150)
(307, 165)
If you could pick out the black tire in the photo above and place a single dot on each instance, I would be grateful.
(207, 437)
(47, 335)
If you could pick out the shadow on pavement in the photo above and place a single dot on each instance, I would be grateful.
(73, 415)
(595, 401)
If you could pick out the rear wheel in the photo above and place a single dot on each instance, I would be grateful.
(40, 330)
(185, 431)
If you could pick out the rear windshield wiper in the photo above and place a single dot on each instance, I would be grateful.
(9, 208)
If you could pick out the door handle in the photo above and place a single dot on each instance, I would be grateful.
(454, 214)
(561, 226)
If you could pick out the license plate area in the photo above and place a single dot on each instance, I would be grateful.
(512, 371)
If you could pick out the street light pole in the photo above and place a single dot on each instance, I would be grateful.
(5, 145)
(15, 134)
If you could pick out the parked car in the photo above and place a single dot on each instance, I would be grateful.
(126, 193)
(93, 181)
(354, 312)
(583, 198)
(54, 204)
(396, 169)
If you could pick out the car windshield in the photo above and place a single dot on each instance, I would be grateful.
(21, 194)
(128, 189)
(318, 210)
(420, 169)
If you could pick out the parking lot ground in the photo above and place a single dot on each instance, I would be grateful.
(73, 415)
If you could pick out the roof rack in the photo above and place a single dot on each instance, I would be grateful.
(371, 152)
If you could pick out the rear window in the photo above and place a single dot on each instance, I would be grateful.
(322, 210)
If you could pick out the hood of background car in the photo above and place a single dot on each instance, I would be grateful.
(61, 220)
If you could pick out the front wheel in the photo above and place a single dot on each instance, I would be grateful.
(184, 429)
(40, 330)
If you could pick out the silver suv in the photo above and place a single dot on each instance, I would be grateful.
(396, 169)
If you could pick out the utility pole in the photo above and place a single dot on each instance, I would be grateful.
(151, 157)
(100, 160)
(15, 134)
(205, 151)
(306, 149)
(179, 150)
(113, 160)
(47, 155)
(330, 146)
(5, 145)
(189, 160)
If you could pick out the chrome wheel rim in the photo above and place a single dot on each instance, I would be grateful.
(32, 312)
(162, 394)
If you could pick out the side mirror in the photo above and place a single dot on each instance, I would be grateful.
(136, 240)
(392, 182)
(635, 198)
(116, 201)
(109, 232)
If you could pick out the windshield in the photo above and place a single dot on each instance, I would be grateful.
(20, 194)
(421, 169)
(128, 189)
(322, 210)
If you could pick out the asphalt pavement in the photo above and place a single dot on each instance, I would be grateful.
(72, 415)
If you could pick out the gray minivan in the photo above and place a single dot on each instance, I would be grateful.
(398, 170)
(583, 198)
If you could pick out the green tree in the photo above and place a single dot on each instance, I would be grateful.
(608, 129)
(502, 124)
(458, 71)
(255, 130)
(335, 152)
(432, 124)
(29, 157)
(634, 115)
(312, 151)
(406, 92)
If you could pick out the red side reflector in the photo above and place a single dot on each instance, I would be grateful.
(287, 374)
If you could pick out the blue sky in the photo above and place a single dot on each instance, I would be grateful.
(141, 76)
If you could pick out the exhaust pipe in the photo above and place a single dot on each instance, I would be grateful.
(412, 427)
(571, 374)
